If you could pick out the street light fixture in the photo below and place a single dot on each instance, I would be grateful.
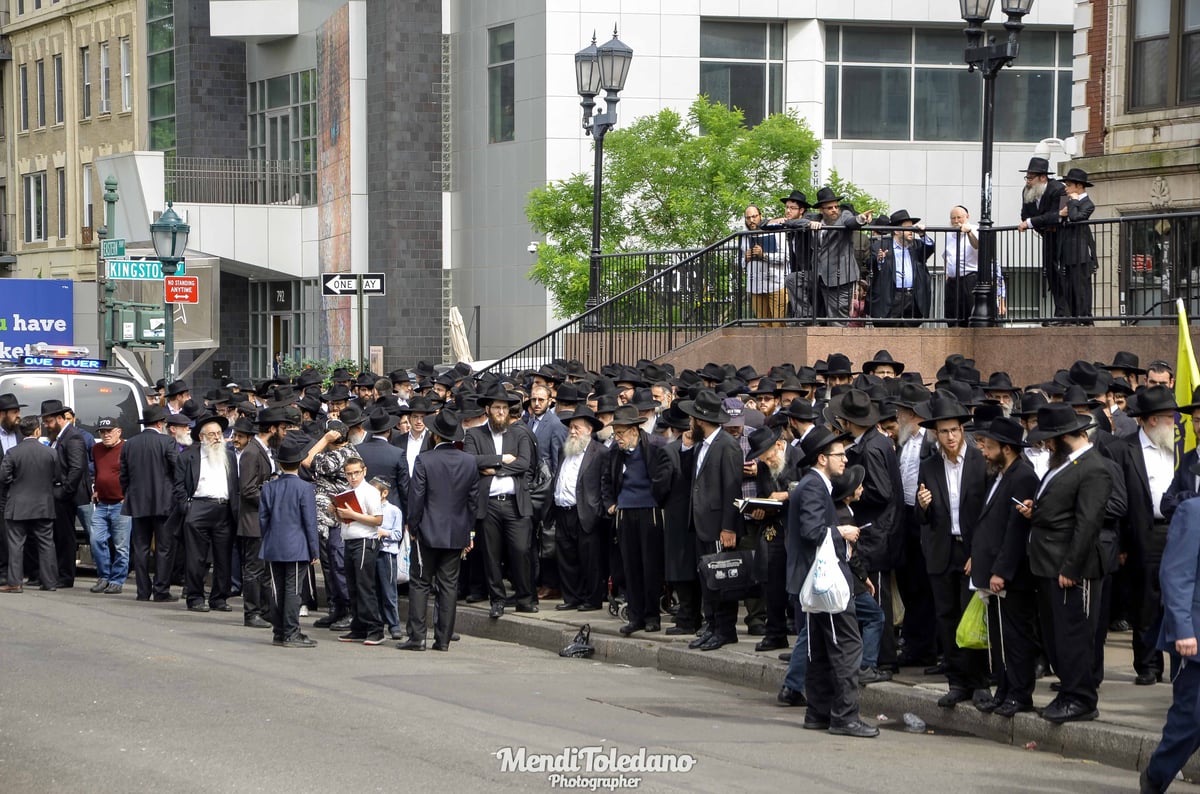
(600, 68)
(989, 57)
(169, 235)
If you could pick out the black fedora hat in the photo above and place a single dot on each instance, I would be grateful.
(855, 406)
(761, 440)
(797, 197)
(800, 409)
(606, 404)
(643, 399)
(496, 392)
(882, 357)
(244, 426)
(911, 395)
(1003, 430)
(310, 404)
(293, 448)
(900, 217)
(308, 377)
(1076, 396)
(817, 441)
(379, 421)
(419, 404)
(176, 387)
(365, 380)
(338, 392)
(747, 374)
(838, 364)
(341, 375)
(706, 407)
(1126, 361)
(941, 408)
(585, 414)
(848, 482)
(8, 402)
(272, 416)
(209, 419)
(1121, 386)
(792, 384)
(999, 381)
(568, 394)
(983, 415)
(626, 415)
(674, 419)
(352, 416)
(1030, 403)
(1153, 400)
(1037, 165)
(424, 369)
(153, 415)
(1058, 419)
(1086, 375)
(826, 195)
(445, 424)
(54, 408)
(712, 371)
(469, 407)
(1077, 175)
(765, 386)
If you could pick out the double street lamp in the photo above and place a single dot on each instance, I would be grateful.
(169, 235)
(600, 68)
(989, 57)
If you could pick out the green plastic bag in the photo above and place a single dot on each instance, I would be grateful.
(972, 629)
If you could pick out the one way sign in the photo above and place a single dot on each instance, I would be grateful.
(333, 284)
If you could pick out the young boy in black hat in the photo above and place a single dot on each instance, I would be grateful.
(287, 516)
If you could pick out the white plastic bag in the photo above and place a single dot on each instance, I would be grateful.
(825, 588)
(403, 560)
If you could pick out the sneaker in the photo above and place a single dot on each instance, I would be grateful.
(352, 637)
(303, 611)
(99, 586)
(112, 589)
(374, 639)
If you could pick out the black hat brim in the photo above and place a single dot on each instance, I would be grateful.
(1081, 423)
(689, 408)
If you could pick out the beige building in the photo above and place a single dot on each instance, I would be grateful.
(73, 92)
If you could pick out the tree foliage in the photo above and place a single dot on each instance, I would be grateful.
(671, 182)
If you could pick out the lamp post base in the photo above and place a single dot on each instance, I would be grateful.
(981, 315)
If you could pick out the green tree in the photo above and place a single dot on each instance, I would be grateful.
(667, 186)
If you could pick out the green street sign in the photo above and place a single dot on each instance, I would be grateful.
(138, 269)
(110, 249)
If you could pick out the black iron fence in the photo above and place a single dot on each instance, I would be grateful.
(1129, 270)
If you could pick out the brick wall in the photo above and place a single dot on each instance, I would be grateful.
(1097, 47)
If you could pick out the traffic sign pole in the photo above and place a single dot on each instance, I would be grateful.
(362, 330)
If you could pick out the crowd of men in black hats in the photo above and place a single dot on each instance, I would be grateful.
(583, 487)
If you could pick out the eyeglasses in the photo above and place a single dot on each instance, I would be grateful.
(835, 454)
(355, 472)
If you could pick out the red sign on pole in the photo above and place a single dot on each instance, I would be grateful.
(181, 289)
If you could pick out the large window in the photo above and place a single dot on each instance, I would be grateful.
(1164, 63)
(23, 79)
(61, 175)
(910, 84)
(126, 77)
(41, 93)
(89, 208)
(35, 207)
(502, 73)
(58, 89)
(105, 96)
(160, 62)
(281, 125)
(85, 83)
(741, 66)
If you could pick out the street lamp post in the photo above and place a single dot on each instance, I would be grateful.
(989, 57)
(169, 235)
(604, 67)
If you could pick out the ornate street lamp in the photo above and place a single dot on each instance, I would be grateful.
(989, 57)
(169, 235)
(600, 68)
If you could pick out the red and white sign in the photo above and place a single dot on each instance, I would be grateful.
(181, 289)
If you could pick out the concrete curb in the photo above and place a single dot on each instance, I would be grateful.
(1105, 743)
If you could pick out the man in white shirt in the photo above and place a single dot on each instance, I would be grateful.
(765, 265)
(360, 532)
(961, 257)
(207, 488)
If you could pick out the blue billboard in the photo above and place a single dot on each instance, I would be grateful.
(35, 310)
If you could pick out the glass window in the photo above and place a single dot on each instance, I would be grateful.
(1037, 48)
(1189, 63)
(58, 89)
(875, 102)
(35, 207)
(89, 208)
(870, 45)
(41, 93)
(742, 67)
(833, 39)
(947, 106)
(831, 102)
(85, 79)
(162, 100)
(941, 47)
(1164, 58)
(162, 135)
(161, 35)
(278, 92)
(35, 389)
(732, 40)
(61, 174)
(23, 79)
(286, 132)
(502, 72)
(162, 68)
(126, 77)
(104, 88)
(97, 397)
(1023, 101)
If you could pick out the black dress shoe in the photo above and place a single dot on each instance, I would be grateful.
(48, 589)
(630, 628)
(787, 657)
(327, 621)
(982, 696)
(1148, 679)
(256, 622)
(1009, 708)
(455, 638)
(988, 705)
(653, 627)
(790, 697)
(300, 642)
(873, 675)
(857, 729)
(341, 624)
(528, 609)
(1148, 786)
(199, 608)
(564, 606)
(770, 644)
(412, 645)
(715, 642)
(937, 669)
(222, 607)
(1068, 711)
(475, 598)
(437, 646)
(815, 725)
(497, 610)
(954, 697)
(680, 631)
(589, 608)
(757, 631)
(703, 638)
(1118, 626)
(165, 597)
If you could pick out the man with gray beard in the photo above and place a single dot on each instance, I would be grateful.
(579, 515)
(206, 492)
(179, 428)
(779, 469)
(1040, 199)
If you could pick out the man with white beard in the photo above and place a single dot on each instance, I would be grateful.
(179, 428)
(1147, 460)
(206, 490)
(579, 515)
(1040, 199)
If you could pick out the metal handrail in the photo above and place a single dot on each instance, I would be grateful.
(224, 180)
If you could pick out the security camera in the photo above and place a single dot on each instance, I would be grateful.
(533, 246)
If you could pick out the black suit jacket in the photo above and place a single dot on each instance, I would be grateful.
(27, 476)
(1001, 533)
(679, 544)
(658, 466)
(1064, 535)
(1043, 217)
(517, 441)
(389, 462)
(444, 491)
(1184, 486)
(591, 501)
(883, 279)
(75, 483)
(1126, 452)
(811, 514)
(254, 469)
(402, 441)
(1076, 246)
(936, 536)
(187, 478)
(880, 544)
(715, 487)
(148, 464)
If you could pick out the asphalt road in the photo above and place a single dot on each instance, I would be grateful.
(101, 693)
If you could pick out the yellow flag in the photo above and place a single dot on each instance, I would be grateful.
(1186, 380)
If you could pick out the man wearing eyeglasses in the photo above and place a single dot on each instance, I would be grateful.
(206, 492)
(765, 268)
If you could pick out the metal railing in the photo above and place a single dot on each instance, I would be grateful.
(654, 302)
(220, 180)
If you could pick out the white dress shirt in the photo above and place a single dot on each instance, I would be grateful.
(961, 258)
(568, 480)
(910, 465)
(501, 485)
(1160, 470)
(212, 483)
(954, 472)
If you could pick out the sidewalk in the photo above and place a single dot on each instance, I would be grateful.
(1129, 727)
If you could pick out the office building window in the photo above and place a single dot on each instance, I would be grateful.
(35, 207)
(126, 77)
(741, 66)
(23, 80)
(88, 207)
(1164, 62)
(502, 74)
(85, 83)
(41, 93)
(62, 203)
(58, 89)
(160, 72)
(281, 124)
(910, 84)
(105, 107)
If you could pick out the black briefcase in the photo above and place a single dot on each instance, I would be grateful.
(729, 574)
